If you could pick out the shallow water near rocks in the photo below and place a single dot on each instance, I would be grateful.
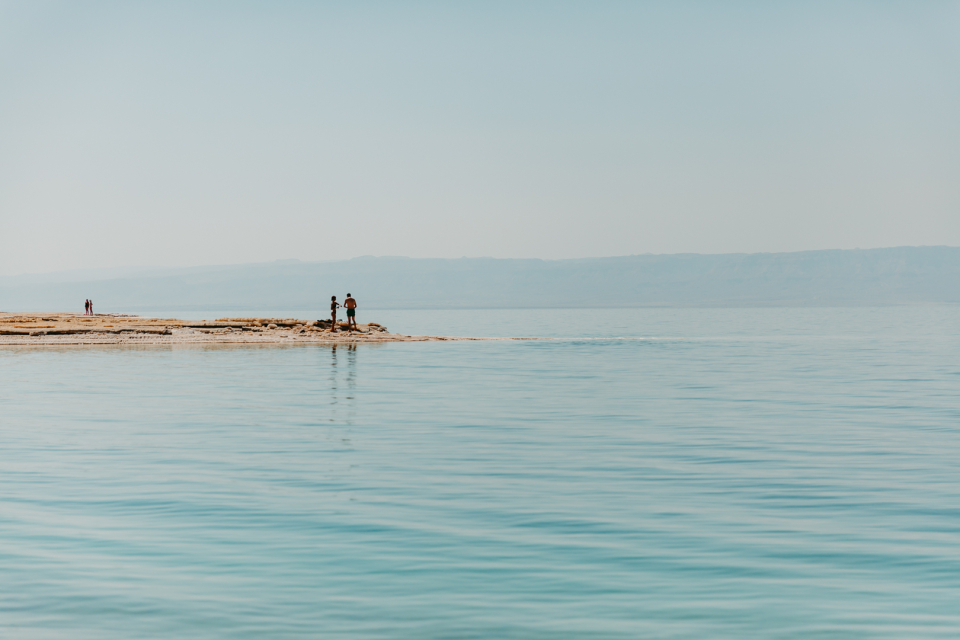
(731, 473)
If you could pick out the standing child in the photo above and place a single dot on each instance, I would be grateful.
(333, 312)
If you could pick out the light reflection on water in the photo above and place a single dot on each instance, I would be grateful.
(748, 473)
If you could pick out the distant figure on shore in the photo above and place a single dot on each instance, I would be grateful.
(91, 306)
(333, 313)
(351, 306)
(86, 307)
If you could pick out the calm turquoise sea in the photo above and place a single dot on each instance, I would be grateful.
(747, 473)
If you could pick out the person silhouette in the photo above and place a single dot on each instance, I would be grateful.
(333, 313)
(351, 306)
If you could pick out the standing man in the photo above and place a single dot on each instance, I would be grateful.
(91, 307)
(333, 313)
(86, 307)
(351, 306)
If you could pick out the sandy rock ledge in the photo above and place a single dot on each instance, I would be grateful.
(22, 329)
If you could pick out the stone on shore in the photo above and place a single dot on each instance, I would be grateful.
(75, 328)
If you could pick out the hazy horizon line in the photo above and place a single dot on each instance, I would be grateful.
(146, 268)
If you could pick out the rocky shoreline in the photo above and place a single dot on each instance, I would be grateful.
(22, 329)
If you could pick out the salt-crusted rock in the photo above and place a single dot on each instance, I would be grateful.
(43, 329)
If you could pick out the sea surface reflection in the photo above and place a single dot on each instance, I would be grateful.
(662, 474)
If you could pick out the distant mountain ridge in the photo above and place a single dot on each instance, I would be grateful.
(869, 277)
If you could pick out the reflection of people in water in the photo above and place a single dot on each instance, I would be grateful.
(343, 383)
(351, 306)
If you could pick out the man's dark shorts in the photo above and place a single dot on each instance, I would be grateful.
(351, 313)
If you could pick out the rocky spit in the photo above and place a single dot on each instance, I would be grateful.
(23, 329)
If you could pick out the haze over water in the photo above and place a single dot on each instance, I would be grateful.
(702, 473)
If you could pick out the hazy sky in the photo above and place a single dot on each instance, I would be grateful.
(191, 133)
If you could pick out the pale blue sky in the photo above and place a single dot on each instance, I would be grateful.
(187, 133)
